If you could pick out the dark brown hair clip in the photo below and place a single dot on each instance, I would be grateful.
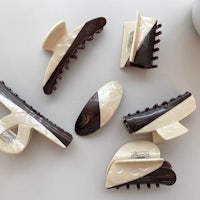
(64, 46)
(139, 39)
(162, 120)
(139, 163)
(16, 127)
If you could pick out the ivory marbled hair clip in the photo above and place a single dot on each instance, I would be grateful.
(64, 46)
(139, 39)
(99, 109)
(162, 120)
(25, 119)
(139, 163)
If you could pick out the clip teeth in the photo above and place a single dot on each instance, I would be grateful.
(156, 49)
(82, 46)
(159, 26)
(91, 37)
(155, 58)
(156, 41)
(138, 186)
(99, 30)
(158, 33)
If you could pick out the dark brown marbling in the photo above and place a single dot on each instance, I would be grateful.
(89, 119)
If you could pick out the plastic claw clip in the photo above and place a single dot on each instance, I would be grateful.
(64, 46)
(16, 127)
(139, 39)
(99, 109)
(162, 120)
(139, 163)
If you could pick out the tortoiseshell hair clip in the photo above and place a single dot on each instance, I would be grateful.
(16, 127)
(139, 163)
(139, 39)
(64, 46)
(162, 120)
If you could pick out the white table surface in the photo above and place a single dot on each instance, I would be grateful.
(44, 170)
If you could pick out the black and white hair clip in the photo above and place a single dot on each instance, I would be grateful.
(139, 40)
(99, 109)
(16, 128)
(162, 120)
(64, 46)
(139, 163)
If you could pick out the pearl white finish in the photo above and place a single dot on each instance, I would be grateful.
(167, 126)
(58, 41)
(133, 37)
(110, 96)
(169, 132)
(25, 123)
(196, 15)
(132, 161)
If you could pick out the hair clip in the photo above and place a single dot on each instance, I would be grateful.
(139, 39)
(24, 119)
(139, 163)
(64, 46)
(162, 120)
(99, 109)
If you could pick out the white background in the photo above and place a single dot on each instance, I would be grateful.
(44, 170)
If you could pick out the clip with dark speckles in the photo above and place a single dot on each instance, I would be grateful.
(139, 163)
(16, 127)
(64, 46)
(139, 39)
(162, 120)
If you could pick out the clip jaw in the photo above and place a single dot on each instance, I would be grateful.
(64, 46)
(145, 168)
(25, 119)
(139, 38)
(162, 120)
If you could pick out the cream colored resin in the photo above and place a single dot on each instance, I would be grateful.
(167, 126)
(58, 41)
(132, 161)
(25, 123)
(133, 37)
(109, 99)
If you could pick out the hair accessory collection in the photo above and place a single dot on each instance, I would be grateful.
(135, 163)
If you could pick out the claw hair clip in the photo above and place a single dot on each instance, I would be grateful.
(64, 46)
(24, 119)
(162, 120)
(99, 109)
(139, 163)
(139, 39)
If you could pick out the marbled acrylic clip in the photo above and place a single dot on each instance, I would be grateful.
(24, 119)
(64, 46)
(162, 120)
(139, 41)
(99, 109)
(139, 163)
